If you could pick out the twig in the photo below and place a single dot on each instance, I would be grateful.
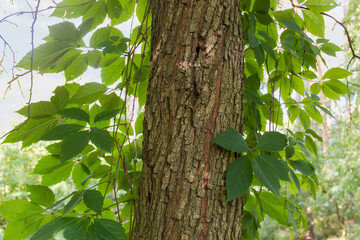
(31, 71)
(6, 44)
(354, 55)
(18, 76)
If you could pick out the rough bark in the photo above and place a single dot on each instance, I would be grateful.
(195, 92)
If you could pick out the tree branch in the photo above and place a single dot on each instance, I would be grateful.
(354, 55)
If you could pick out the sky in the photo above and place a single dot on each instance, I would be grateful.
(16, 31)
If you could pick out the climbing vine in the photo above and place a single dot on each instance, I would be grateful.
(94, 129)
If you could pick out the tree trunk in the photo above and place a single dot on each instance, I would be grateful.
(195, 92)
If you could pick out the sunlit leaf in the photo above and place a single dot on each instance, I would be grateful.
(40, 194)
(88, 93)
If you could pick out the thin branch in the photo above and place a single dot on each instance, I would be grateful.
(43, 10)
(6, 44)
(31, 71)
(351, 46)
(18, 76)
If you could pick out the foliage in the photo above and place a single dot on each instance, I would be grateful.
(97, 146)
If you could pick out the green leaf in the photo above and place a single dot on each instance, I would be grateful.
(259, 55)
(268, 50)
(60, 173)
(311, 145)
(79, 174)
(94, 58)
(19, 209)
(304, 119)
(307, 74)
(60, 132)
(239, 176)
(266, 175)
(289, 151)
(80, 230)
(274, 207)
(110, 74)
(253, 41)
(139, 124)
(32, 131)
(314, 114)
(109, 229)
(99, 36)
(73, 145)
(74, 201)
(141, 9)
(278, 165)
(65, 61)
(75, 113)
(111, 102)
(336, 73)
(272, 142)
(40, 194)
(330, 49)
(85, 27)
(61, 97)
(314, 134)
(101, 171)
(298, 84)
(64, 31)
(94, 200)
(24, 228)
(324, 110)
(40, 109)
(46, 165)
(293, 113)
(303, 166)
(263, 18)
(315, 88)
(321, 5)
(108, 59)
(76, 68)
(261, 6)
(232, 140)
(337, 86)
(49, 230)
(295, 180)
(290, 24)
(127, 10)
(329, 92)
(97, 11)
(45, 56)
(102, 139)
(106, 115)
(88, 93)
(314, 23)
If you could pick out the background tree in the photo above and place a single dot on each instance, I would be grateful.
(206, 172)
